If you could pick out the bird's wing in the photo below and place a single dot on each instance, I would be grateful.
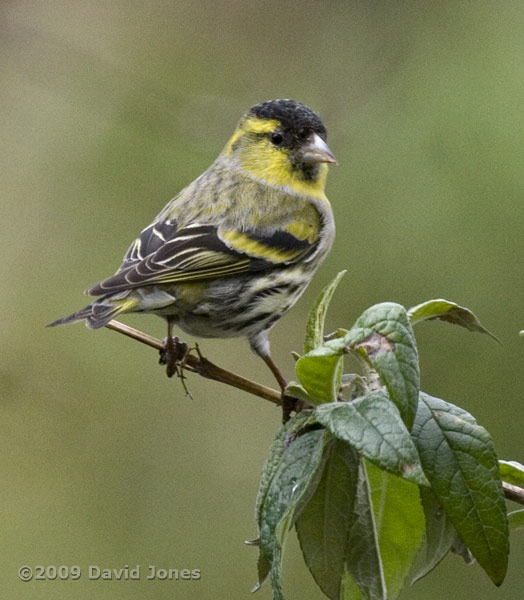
(163, 254)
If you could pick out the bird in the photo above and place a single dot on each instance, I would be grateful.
(233, 251)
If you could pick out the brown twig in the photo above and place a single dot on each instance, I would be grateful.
(205, 368)
(513, 492)
(202, 366)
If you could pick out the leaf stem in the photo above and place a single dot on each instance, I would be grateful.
(202, 366)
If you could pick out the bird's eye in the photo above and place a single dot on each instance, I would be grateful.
(276, 139)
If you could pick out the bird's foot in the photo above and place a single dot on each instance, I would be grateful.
(181, 374)
(173, 354)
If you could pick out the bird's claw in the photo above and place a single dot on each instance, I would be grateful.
(173, 354)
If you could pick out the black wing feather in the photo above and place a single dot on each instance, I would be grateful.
(163, 255)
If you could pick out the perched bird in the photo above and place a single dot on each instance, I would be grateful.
(234, 250)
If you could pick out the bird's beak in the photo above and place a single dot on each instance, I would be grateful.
(316, 150)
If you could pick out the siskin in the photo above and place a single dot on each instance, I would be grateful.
(234, 250)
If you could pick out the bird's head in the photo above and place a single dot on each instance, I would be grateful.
(283, 143)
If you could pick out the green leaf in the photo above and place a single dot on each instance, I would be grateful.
(372, 425)
(383, 336)
(284, 436)
(293, 482)
(336, 529)
(512, 472)
(320, 372)
(349, 589)
(449, 312)
(439, 539)
(460, 462)
(441, 405)
(363, 555)
(516, 520)
(399, 522)
(460, 549)
(338, 333)
(275, 456)
(317, 315)
(297, 391)
(263, 569)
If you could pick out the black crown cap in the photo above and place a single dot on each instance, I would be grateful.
(292, 115)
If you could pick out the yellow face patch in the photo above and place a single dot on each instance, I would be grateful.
(272, 165)
(256, 125)
(252, 125)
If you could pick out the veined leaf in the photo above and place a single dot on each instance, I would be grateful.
(337, 533)
(459, 460)
(350, 589)
(297, 391)
(320, 372)
(400, 525)
(285, 435)
(373, 426)
(317, 315)
(439, 539)
(293, 481)
(516, 520)
(383, 336)
(444, 310)
(512, 472)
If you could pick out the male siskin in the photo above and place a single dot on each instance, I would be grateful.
(233, 251)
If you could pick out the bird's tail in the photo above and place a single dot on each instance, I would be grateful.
(98, 313)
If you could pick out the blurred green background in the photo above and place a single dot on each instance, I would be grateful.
(108, 109)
